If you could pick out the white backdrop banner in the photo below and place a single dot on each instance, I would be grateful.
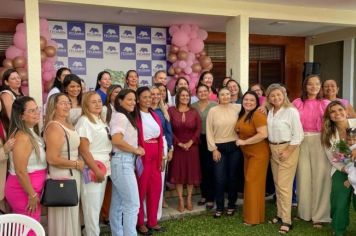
(88, 48)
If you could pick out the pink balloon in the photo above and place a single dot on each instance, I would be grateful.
(182, 64)
(196, 45)
(193, 34)
(180, 38)
(171, 83)
(188, 70)
(175, 64)
(194, 27)
(47, 76)
(184, 48)
(194, 74)
(20, 40)
(47, 66)
(189, 62)
(45, 34)
(191, 56)
(186, 28)
(202, 34)
(13, 52)
(52, 43)
(21, 27)
(43, 24)
(24, 88)
(52, 60)
(173, 29)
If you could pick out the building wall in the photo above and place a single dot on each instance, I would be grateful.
(330, 56)
(294, 56)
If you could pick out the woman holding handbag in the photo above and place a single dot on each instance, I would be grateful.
(27, 170)
(95, 148)
(62, 142)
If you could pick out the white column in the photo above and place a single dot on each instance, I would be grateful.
(237, 50)
(348, 70)
(33, 50)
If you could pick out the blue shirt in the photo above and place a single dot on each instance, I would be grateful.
(102, 95)
(167, 129)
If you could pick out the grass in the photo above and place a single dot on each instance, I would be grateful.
(205, 224)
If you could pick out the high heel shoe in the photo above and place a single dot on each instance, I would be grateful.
(180, 207)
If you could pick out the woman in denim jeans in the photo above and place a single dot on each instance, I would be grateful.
(221, 138)
(125, 201)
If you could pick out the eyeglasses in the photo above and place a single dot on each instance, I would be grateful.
(108, 132)
(33, 111)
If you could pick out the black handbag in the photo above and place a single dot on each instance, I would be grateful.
(60, 192)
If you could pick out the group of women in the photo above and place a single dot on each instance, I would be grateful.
(136, 132)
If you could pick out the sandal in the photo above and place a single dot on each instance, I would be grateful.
(275, 220)
(317, 225)
(285, 228)
(230, 211)
(217, 214)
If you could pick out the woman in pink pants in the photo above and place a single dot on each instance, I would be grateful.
(149, 176)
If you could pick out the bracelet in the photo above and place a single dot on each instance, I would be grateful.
(33, 196)
(76, 165)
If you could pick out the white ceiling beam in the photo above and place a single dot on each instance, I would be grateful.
(230, 8)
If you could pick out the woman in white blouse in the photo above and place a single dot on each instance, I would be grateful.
(95, 145)
(125, 201)
(285, 133)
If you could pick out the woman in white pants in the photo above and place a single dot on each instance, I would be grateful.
(95, 145)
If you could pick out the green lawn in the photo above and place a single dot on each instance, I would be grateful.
(206, 225)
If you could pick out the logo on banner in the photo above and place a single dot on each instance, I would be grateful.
(143, 51)
(77, 65)
(94, 49)
(58, 29)
(61, 62)
(76, 30)
(143, 34)
(128, 51)
(111, 50)
(159, 52)
(111, 33)
(62, 46)
(144, 82)
(76, 49)
(159, 36)
(94, 32)
(127, 34)
(143, 68)
(158, 65)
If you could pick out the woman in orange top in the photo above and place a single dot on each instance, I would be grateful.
(252, 131)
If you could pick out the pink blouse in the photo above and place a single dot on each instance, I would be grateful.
(213, 97)
(311, 113)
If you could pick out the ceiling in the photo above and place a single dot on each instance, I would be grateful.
(15, 9)
(330, 4)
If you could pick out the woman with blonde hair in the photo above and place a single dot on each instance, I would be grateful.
(95, 148)
(27, 170)
(285, 133)
(59, 135)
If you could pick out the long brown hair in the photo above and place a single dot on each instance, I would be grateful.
(304, 95)
(329, 127)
